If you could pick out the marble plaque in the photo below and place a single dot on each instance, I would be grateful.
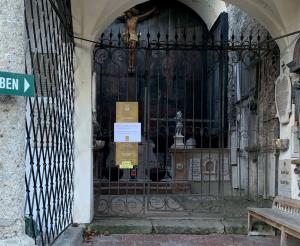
(195, 169)
(285, 178)
(283, 95)
(295, 142)
(206, 168)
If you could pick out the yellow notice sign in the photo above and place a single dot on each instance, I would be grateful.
(127, 152)
(127, 112)
(126, 165)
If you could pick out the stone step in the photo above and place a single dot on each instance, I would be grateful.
(168, 226)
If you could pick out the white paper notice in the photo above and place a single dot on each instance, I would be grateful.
(127, 132)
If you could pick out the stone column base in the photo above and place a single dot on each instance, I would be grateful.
(22, 240)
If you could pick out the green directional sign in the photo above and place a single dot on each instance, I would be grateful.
(16, 84)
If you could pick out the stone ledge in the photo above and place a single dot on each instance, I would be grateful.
(182, 226)
(73, 236)
(169, 226)
(120, 226)
(235, 226)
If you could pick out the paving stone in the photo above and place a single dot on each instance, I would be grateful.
(73, 236)
(186, 240)
(22, 240)
(182, 226)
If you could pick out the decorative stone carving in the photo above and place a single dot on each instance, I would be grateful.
(204, 163)
(280, 144)
(190, 143)
(283, 94)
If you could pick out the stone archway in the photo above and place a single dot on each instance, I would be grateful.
(90, 19)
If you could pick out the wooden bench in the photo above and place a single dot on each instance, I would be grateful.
(284, 216)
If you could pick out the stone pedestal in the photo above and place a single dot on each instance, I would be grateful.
(196, 167)
(178, 142)
(180, 172)
(12, 131)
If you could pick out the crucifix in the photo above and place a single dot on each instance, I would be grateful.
(130, 37)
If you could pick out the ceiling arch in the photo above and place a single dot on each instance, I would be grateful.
(93, 16)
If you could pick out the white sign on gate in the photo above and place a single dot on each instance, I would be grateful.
(127, 132)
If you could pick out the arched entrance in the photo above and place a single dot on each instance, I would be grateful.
(49, 116)
(100, 15)
(197, 143)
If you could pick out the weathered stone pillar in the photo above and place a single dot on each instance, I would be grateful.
(12, 130)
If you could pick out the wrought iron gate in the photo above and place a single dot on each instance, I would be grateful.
(192, 74)
(49, 119)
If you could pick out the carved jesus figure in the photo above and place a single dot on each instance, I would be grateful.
(130, 37)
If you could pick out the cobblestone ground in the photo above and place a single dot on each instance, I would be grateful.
(184, 240)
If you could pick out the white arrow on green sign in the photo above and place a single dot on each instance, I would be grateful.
(16, 84)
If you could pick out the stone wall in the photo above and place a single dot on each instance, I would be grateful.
(12, 130)
(241, 23)
(256, 112)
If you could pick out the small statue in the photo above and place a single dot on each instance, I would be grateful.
(130, 37)
(179, 124)
(178, 138)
